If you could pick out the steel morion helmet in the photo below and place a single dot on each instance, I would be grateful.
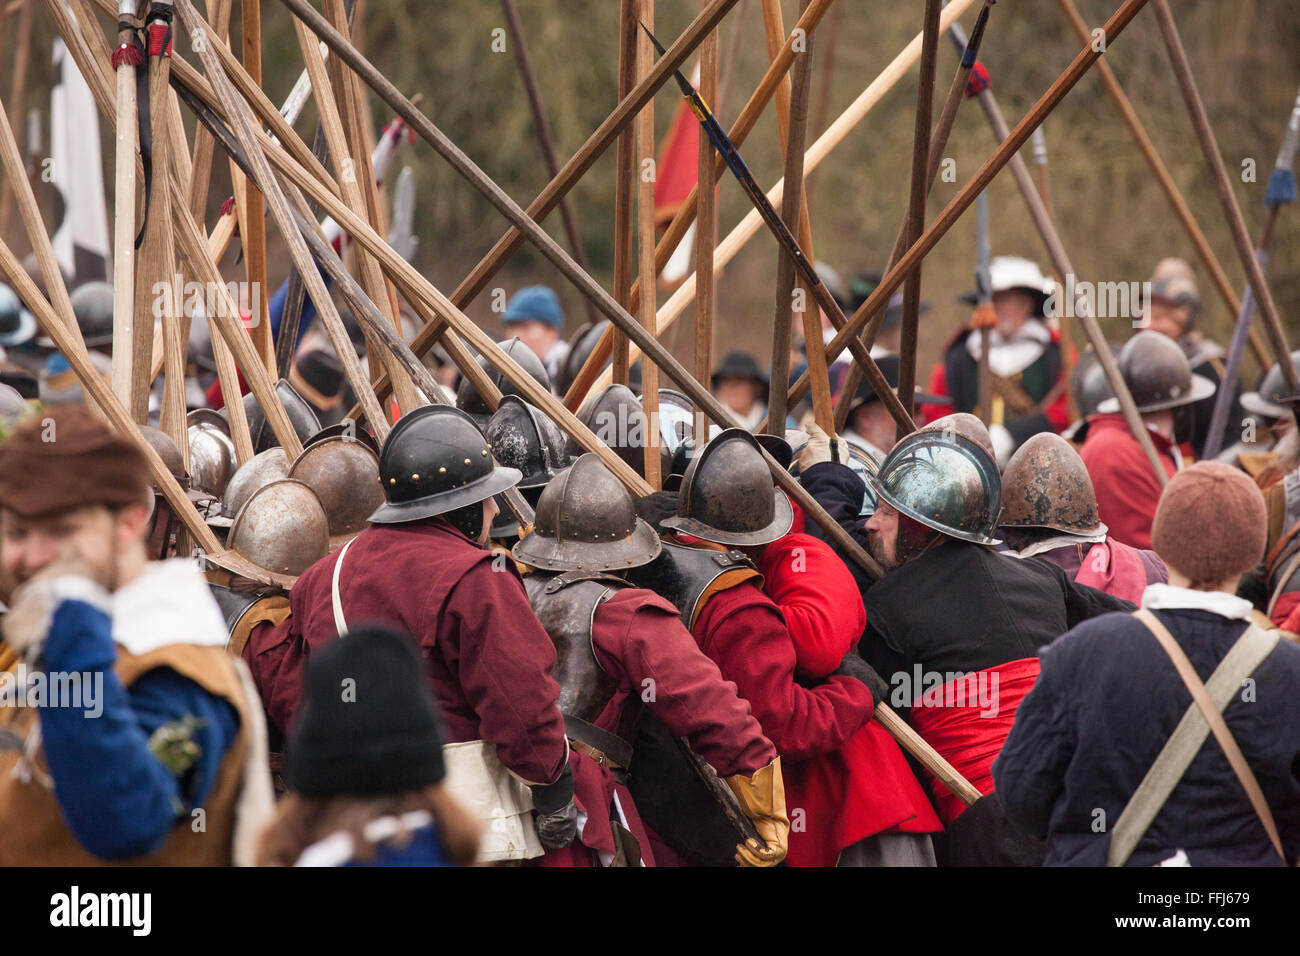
(301, 416)
(435, 460)
(345, 476)
(727, 495)
(522, 437)
(1272, 392)
(253, 475)
(469, 401)
(1158, 374)
(615, 416)
(281, 528)
(587, 521)
(945, 481)
(1046, 485)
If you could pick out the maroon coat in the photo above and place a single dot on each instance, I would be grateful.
(639, 637)
(1127, 489)
(487, 657)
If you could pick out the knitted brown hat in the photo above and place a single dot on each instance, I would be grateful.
(66, 458)
(1210, 523)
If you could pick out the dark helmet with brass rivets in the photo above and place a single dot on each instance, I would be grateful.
(1046, 485)
(728, 497)
(471, 402)
(435, 460)
(587, 521)
(522, 437)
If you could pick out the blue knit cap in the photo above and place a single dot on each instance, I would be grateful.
(537, 302)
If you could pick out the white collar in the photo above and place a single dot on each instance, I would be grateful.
(1059, 541)
(1008, 357)
(168, 604)
(1166, 597)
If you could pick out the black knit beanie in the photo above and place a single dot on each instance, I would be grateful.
(369, 724)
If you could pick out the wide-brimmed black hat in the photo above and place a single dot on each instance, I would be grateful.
(369, 723)
(738, 364)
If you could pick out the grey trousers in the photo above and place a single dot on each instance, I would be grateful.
(890, 849)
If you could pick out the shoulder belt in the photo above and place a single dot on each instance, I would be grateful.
(1203, 716)
(687, 577)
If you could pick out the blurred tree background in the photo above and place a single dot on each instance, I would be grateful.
(1113, 218)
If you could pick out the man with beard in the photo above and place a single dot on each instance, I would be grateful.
(144, 719)
(954, 626)
(1165, 390)
(422, 566)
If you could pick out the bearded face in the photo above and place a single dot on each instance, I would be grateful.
(894, 539)
(95, 534)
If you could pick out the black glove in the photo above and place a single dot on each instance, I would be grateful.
(854, 666)
(657, 507)
(556, 813)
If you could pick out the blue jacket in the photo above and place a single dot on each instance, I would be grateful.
(1105, 703)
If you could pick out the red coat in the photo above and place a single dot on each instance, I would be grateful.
(744, 632)
(1127, 490)
(638, 637)
(866, 786)
(487, 657)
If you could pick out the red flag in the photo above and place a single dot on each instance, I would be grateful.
(678, 163)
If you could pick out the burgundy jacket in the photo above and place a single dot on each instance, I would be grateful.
(487, 657)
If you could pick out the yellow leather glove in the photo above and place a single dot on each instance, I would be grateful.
(821, 447)
(762, 798)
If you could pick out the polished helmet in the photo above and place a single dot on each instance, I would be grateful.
(522, 437)
(1158, 375)
(727, 494)
(586, 521)
(301, 416)
(253, 475)
(1268, 399)
(945, 481)
(1046, 485)
(967, 426)
(435, 460)
(212, 453)
(282, 528)
(17, 325)
(469, 401)
(345, 476)
(13, 407)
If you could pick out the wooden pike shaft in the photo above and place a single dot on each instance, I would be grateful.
(916, 207)
(681, 222)
(219, 17)
(819, 150)
(645, 212)
(792, 101)
(624, 185)
(415, 284)
(17, 88)
(124, 202)
(961, 202)
(1166, 181)
(706, 178)
(74, 350)
(573, 170)
(1228, 199)
(545, 139)
(252, 224)
(90, 52)
(938, 142)
(334, 328)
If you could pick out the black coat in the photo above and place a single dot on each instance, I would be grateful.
(1105, 703)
